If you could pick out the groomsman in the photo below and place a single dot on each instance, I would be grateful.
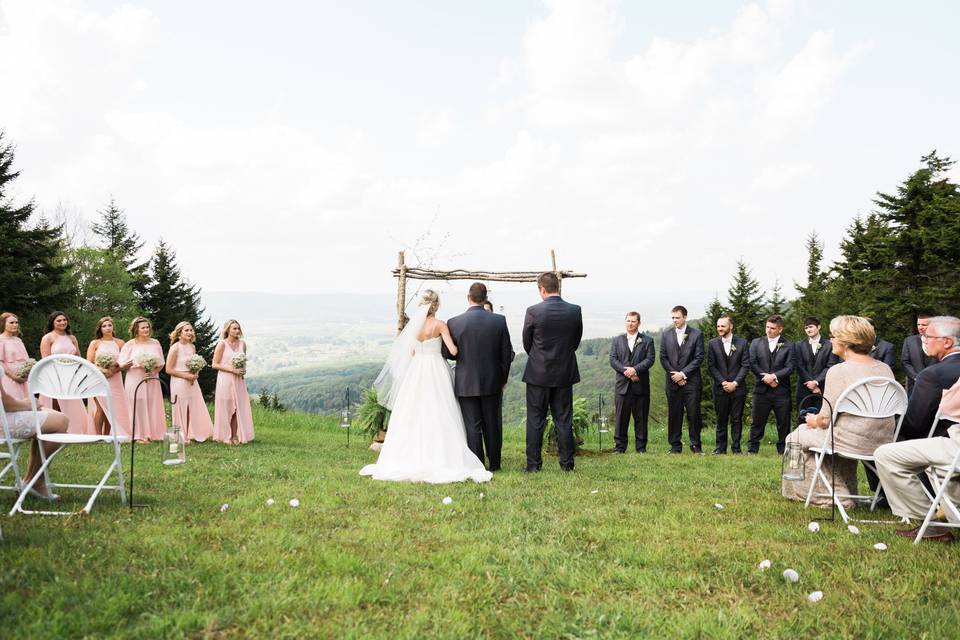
(913, 358)
(631, 356)
(883, 350)
(728, 361)
(681, 353)
(813, 357)
(771, 360)
(551, 335)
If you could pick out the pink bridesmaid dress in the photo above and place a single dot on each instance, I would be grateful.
(151, 419)
(232, 399)
(13, 354)
(121, 412)
(190, 411)
(75, 409)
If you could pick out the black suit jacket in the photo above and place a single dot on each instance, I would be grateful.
(483, 352)
(685, 358)
(885, 353)
(812, 367)
(641, 359)
(551, 335)
(732, 368)
(779, 363)
(913, 359)
(925, 399)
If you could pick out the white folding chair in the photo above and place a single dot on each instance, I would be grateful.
(64, 377)
(873, 397)
(12, 446)
(940, 478)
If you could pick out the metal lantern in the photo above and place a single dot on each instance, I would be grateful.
(602, 420)
(174, 449)
(792, 467)
(345, 421)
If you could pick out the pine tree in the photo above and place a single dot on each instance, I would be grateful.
(745, 302)
(33, 276)
(776, 303)
(113, 231)
(168, 299)
(811, 298)
(264, 398)
(275, 403)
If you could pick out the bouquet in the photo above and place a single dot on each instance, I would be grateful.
(239, 361)
(195, 363)
(25, 368)
(105, 360)
(148, 361)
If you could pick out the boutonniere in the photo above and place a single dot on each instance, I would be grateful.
(733, 348)
(683, 339)
(873, 348)
(777, 348)
(816, 347)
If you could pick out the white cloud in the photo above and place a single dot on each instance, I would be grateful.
(436, 129)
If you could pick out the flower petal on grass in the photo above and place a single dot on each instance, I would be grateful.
(791, 576)
(854, 530)
(595, 491)
(815, 596)
(224, 507)
(269, 501)
(294, 502)
(717, 506)
(764, 565)
(880, 546)
(448, 500)
(814, 527)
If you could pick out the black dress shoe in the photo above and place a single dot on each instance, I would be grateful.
(566, 468)
(735, 452)
(752, 453)
(642, 450)
(675, 451)
(719, 452)
(492, 469)
(696, 449)
(532, 470)
(617, 451)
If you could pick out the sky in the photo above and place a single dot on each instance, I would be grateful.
(295, 147)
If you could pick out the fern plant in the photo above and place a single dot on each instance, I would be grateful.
(371, 417)
(582, 424)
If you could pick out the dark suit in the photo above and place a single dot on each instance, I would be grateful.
(685, 358)
(767, 398)
(729, 406)
(926, 396)
(914, 360)
(885, 353)
(632, 398)
(483, 365)
(551, 335)
(812, 367)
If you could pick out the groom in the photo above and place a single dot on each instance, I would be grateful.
(483, 365)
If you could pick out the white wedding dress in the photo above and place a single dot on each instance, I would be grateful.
(426, 440)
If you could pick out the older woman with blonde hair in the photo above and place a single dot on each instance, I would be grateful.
(852, 338)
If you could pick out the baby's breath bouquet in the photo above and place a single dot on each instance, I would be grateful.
(148, 361)
(25, 368)
(105, 360)
(239, 361)
(195, 363)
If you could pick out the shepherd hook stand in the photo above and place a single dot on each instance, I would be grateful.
(133, 427)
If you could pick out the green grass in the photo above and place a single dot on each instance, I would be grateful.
(627, 546)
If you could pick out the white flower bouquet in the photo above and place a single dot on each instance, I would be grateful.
(195, 363)
(148, 361)
(25, 368)
(239, 361)
(104, 360)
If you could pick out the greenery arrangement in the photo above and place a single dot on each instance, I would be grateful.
(371, 417)
(582, 424)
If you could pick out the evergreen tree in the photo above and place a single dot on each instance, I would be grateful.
(104, 289)
(113, 231)
(708, 325)
(33, 277)
(275, 403)
(745, 303)
(264, 398)
(168, 299)
(811, 300)
(776, 303)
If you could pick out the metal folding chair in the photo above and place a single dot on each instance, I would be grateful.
(940, 478)
(8, 457)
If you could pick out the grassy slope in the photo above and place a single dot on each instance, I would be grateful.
(538, 557)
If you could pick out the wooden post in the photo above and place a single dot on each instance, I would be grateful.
(553, 261)
(401, 294)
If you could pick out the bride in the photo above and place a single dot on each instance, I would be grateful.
(426, 440)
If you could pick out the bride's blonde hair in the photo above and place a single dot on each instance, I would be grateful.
(430, 297)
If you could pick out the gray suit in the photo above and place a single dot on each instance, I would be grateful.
(685, 358)
(632, 398)
(914, 360)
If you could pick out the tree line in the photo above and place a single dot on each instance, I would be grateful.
(43, 270)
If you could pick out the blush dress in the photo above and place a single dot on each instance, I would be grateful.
(151, 421)
(232, 399)
(13, 354)
(189, 411)
(75, 410)
(121, 412)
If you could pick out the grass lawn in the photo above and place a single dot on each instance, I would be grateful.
(627, 546)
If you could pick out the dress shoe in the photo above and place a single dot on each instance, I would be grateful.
(492, 469)
(752, 453)
(933, 534)
(50, 497)
(675, 451)
(719, 452)
(532, 470)
(696, 449)
(735, 452)
(566, 468)
(642, 450)
(617, 451)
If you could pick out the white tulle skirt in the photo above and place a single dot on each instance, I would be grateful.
(426, 440)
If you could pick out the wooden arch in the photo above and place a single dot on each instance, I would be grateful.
(402, 272)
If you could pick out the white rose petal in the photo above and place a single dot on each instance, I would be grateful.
(791, 575)
(880, 546)
(448, 500)
(224, 507)
(294, 502)
(269, 501)
(815, 596)
(481, 495)
(852, 529)
(814, 527)
(718, 506)
(595, 491)
(764, 565)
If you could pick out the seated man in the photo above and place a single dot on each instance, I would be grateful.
(898, 463)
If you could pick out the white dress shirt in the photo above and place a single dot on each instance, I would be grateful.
(773, 343)
(727, 343)
(682, 330)
(632, 340)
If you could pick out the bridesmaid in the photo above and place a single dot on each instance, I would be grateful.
(151, 421)
(59, 341)
(233, 418)
(105, 342)
(12, 356)
(190, 411)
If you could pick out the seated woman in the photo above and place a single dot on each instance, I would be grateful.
(852, 338)
(21, 425)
